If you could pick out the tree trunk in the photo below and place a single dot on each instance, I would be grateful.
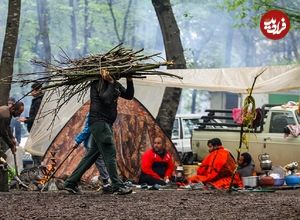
(86, 29)
(194, 101)
(228, 45)
(43, 19)
(294, 45)
(9, 47)
(250, 49)
(174, 52)
(72, 4)
(121, 39)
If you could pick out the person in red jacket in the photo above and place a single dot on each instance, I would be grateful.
(217, 167)
(157, 165)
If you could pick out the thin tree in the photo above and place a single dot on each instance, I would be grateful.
(174, 52)
(120, 38)
(86, 34)
(43, 19)
(9, 47)
(73, 6)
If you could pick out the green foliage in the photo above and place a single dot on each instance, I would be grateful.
(249, 12)
(11, 174)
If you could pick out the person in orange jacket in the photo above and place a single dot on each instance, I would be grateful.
(157, 165)
(217, 167)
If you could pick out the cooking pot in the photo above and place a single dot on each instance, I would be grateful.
(292, 180)
(266, 181)
(265, 162)
(250, 181)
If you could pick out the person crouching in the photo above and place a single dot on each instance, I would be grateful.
(157, 165)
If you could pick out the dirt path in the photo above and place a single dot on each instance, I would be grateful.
(168, 204)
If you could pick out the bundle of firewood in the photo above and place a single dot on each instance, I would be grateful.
(72, 77)
(118, 62)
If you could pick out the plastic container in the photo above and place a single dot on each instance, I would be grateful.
(292, 180)
(278, 182)
(250, 181)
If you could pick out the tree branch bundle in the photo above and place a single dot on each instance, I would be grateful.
(69, 77)
(120, 62)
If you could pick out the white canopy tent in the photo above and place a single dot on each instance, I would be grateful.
(150, 91)
(236, 80)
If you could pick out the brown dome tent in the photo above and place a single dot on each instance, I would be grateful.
(134, 131)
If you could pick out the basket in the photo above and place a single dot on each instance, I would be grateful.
(190, 170)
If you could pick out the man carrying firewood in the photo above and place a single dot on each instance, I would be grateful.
(104, 94)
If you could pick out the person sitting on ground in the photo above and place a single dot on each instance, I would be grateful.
(157, 165)
(246, 165)
(7, 140)
(217, 167)
(88, 141)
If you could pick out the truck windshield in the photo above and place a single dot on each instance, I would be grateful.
(189, 125)
(279, 120)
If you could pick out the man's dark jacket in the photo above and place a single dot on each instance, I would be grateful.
(104, 97)
(34, 108)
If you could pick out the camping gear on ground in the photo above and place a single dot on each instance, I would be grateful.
(265, 161)
(278, 182)
(179, 175)
(277, 172)
(266, 181)
(190, 170)
(278, 179)
(291, 168)
(292, 180)
(250, 181)
(179, 172)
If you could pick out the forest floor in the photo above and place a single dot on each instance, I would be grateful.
(151, 204)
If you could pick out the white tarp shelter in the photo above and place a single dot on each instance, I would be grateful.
(150, 91)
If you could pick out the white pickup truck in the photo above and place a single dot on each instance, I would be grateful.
(182, 131)
(267, 138)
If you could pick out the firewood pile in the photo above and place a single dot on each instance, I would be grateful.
(33, 179)
(72, 77)
(76, 74)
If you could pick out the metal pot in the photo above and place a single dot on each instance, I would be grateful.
(250, 181)
(265, 162)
